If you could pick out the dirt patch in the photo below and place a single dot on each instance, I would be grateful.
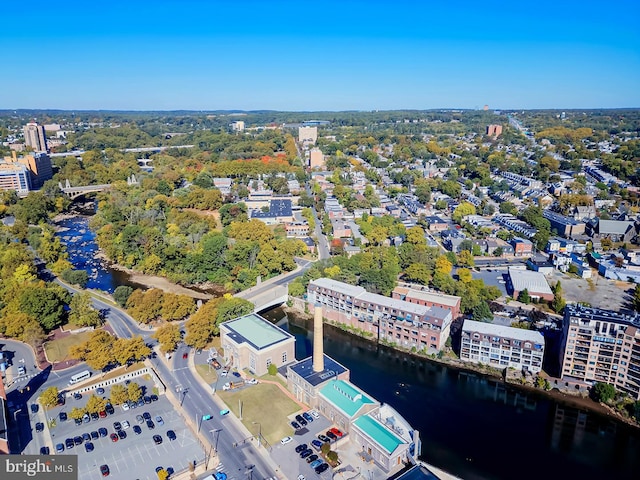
(152, 281)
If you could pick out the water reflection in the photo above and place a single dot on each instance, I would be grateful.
(480, 428)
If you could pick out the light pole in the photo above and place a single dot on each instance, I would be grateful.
(259, 432)
(216, 430)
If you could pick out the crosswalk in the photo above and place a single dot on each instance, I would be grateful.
(220, 468)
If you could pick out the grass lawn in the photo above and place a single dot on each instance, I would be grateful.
(57, 350)
(266, 404)
(207, 373)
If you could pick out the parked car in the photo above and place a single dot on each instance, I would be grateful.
(295, 425)
(237, 374)
(146, 416)
(147, 399)
(316, 443)
(102, 432)
(77, 396)
(100, 391)
(314, 413)
(34, 408)
(331, 435)
(86, 437)
(125, 425)
(77, 421)
(315, 463)
(301, 447)
(88, 447)
(337, 432)
(104, 470)
(311, 458)
(59, 448)
(122, 434)
(77, 440)
(306, 453)
(95, 416)
(39, 427)
(159, 420)
(154, 397)
(117, 426)
(252, 381)
(114, 437)
(323, 438)
(86, 418)
(44, 450)
(137, 430)
(300, 419)
(69, 443)
(171, 435)
(150, 424)
(286, 440)
(157, 439)
(307, 417)
(125, 406)
(109, 408)
(63, 416)
(95, 435)
(224, 373)
(321, 468)
(102, 414)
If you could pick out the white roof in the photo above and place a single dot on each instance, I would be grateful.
(341, 287)
(502, 331)
(534, 282)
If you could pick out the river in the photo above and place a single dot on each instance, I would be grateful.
(477, 428)
(470, 426)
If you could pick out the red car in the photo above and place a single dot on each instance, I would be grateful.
(336, 432)
(185, 355)
(113, 437)
(104, 470)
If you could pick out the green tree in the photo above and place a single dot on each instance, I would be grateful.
(121, 294)
(95, 404)
(134, 392)
(558, 303)
(524, 297)
(272, 370)
(230, 308)
(44, 304)
(462, 210)
(77, 413)
(75, 277)
(82, 312)
(482, 312)
(603, 392)
(636, 298)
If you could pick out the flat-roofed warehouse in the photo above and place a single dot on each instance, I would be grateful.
(534, 282)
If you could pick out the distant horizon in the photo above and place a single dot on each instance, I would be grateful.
(288, 56)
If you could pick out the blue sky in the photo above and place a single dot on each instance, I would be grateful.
(323, 55)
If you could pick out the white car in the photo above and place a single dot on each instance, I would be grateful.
(226, 386)
(314, 414)
(286, 440)
(224, 373)
(252, 381)
(125, 406)
(125, 425)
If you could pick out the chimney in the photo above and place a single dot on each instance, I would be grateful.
(318, 353)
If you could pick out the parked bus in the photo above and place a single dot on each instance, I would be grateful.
(78, 377)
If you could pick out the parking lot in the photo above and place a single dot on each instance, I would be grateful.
(290, 462)
(137, 455)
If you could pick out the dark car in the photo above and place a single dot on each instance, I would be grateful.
(117, 426)
(100, 391)
(77, 440)
(146, 416)
(77, 421)
(114, 437)
(311, 458)
(109, 409)
(104, 470)
(316, 443)
(122, 434)
(300, 419)
(137, 430)
(150, 425)
(88, 447)
(63, 416)
(95, 435)
(34, 408)
(69, 443)
(157, 439)
(295, 425)
(301, 447)
(154, 398)
(59, 448)
(306, 453)
(102, 431)
(307, 417)
(331, 435)
(237, 375)
(171, 435)
(77, 396)
(44, 451)
(147, 399)
(140, 403)
(323, 438)
(86, 437)
(95, 416)
(321, 468)
(39, 427)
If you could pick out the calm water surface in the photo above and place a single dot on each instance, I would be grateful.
(478, 428)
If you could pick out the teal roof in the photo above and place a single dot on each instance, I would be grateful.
(345, 397)
(378, 433)
(257, 331)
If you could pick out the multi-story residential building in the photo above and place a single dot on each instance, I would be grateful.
(15, 176)
(602, 346)
(494, 130)
(316, 159)
(522, 247)
(512, 223)
(502, 347)
(308, 134)
(38, 165)
(407, 324)
(423, 296)
(34, 137)
(297, 229)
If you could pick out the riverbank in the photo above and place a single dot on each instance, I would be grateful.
(566, 397)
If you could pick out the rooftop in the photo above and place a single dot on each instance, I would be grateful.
(256, 331)
(378, 433)
(277, 208)
(341, 287)
(304, 368)
(503, 331)
(346, 397)
(534, 282)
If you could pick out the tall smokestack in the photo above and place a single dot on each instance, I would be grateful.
(318, 353)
